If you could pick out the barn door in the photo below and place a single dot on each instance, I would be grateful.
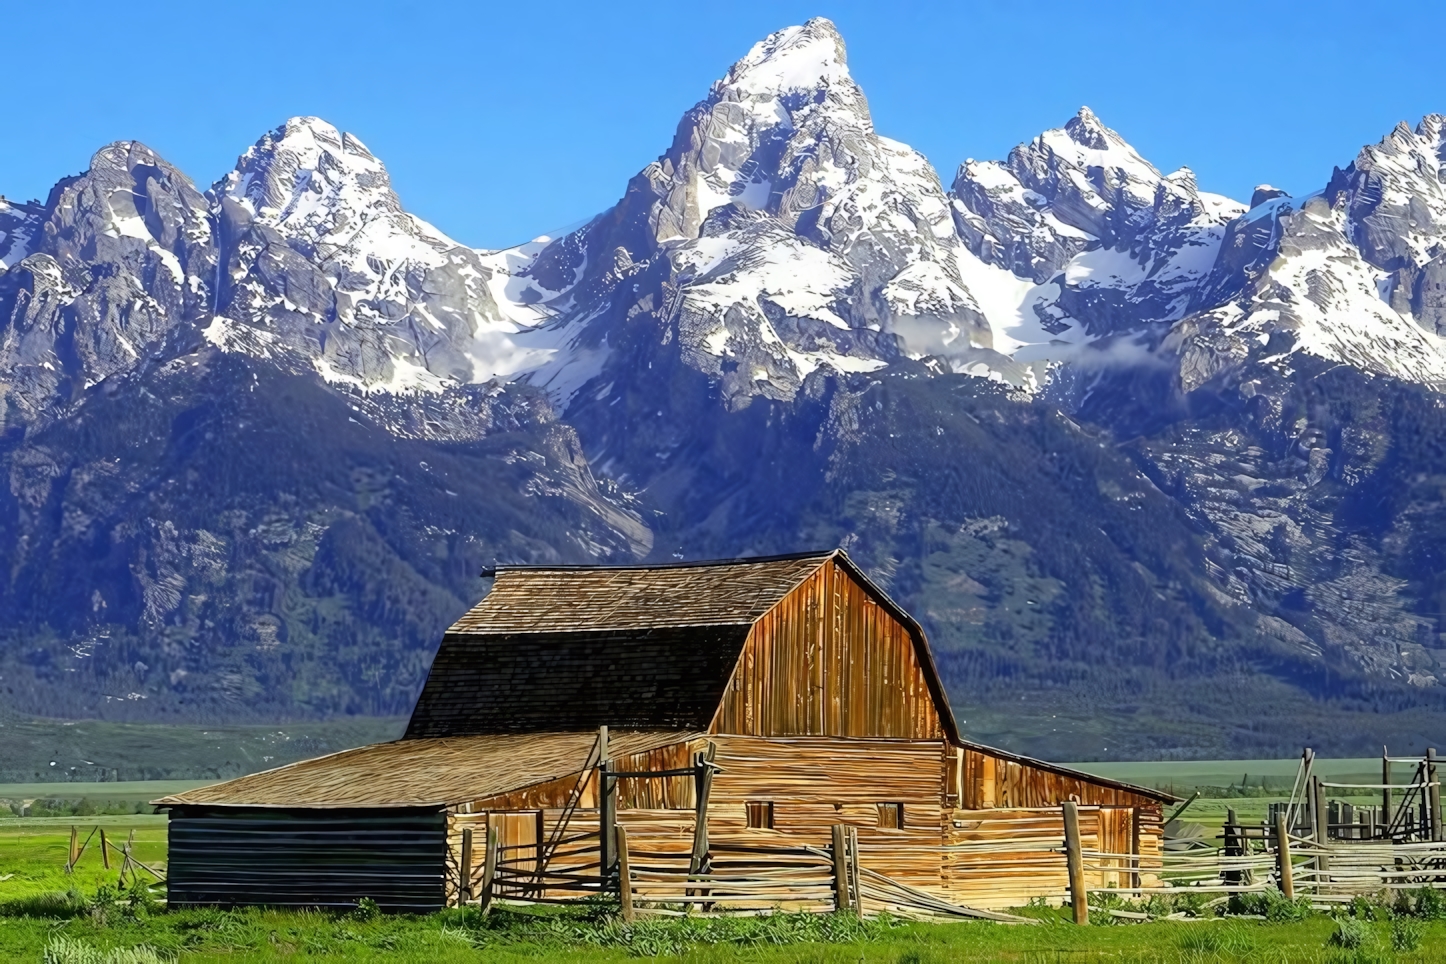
(519, 836)
(1118, 838)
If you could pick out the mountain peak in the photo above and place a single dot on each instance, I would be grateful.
(1085, 129)
(306, 171)
(794, 58)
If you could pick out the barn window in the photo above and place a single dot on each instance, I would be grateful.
(891, 816)
(760, 814)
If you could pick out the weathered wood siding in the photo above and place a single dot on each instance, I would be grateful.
(658, 807)
(1000, 858)
(982, 780)
(827, 660)
(815, 783)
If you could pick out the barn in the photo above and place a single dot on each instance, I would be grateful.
(700, 716)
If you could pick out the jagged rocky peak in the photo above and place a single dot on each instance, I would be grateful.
(19, 221)
(325, 267)
(118, 261)
(1073, 188)
(1397, 209)
(777, 235)
(310, 180)
(1263, 193)
(1355, 274)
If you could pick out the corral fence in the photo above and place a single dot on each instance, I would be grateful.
(1310, 846)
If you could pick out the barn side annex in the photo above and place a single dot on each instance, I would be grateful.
(704, 708)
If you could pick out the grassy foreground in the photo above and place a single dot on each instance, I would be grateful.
(83, 918)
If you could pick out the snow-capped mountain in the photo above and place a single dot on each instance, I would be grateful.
(1109, 242)
(778, 235)
(324, 264)
(1099, 427)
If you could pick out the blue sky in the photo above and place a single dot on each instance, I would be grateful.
(501, 121)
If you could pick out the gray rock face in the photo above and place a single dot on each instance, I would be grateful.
(1079, 209)
(18, 224)
(323, 266)
(778, 235)
(121, 259)
(1397, 212)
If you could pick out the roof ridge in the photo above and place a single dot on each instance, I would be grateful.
(492, 571)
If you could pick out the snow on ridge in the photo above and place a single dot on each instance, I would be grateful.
(795, 58)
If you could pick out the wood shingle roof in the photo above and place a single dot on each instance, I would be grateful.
(411, 773)
(538, 599)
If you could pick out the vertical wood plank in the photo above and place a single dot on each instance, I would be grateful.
(1433, 794)
(840, 868)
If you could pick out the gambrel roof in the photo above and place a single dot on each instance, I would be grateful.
(640, 647)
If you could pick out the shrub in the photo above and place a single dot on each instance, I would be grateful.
(1352, 933)
(1272, 905)
(1406, 934)
(1426, 903)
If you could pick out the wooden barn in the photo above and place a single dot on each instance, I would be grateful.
(713, 713)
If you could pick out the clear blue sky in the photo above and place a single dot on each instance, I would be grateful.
(503, 121)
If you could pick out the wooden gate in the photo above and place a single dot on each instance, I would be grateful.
(519, 836)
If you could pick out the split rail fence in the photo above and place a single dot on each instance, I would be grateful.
(1311, 847)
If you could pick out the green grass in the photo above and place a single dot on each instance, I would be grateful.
(138, 790)
(1184, 776)
(81, 918)
(258, 935)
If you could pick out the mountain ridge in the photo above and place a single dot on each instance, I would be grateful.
(1130, 449)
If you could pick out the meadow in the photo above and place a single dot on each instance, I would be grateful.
(86, 918)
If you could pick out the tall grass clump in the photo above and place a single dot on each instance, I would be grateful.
(67, 950)
(1229, 939)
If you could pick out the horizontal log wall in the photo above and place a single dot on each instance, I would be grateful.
(999, 858)
(828, 660)
(231, 856)
(983, 856)
(815, 783)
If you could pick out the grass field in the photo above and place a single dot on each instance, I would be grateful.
(36, 913)
(54, 751)
(82, 928)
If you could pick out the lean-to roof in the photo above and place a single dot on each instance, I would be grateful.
(410, 773)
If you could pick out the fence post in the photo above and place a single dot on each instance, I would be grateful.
(464, 868)
(489, 866)
(1386, 814)
(1322, 832)
(625, 877)
(702, 787)
(74, 841)
(1282, 857)
(104, 854)
(1433, 794)
(855, 884)
(1074, 856)
(840, 868)
(1232, 846)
